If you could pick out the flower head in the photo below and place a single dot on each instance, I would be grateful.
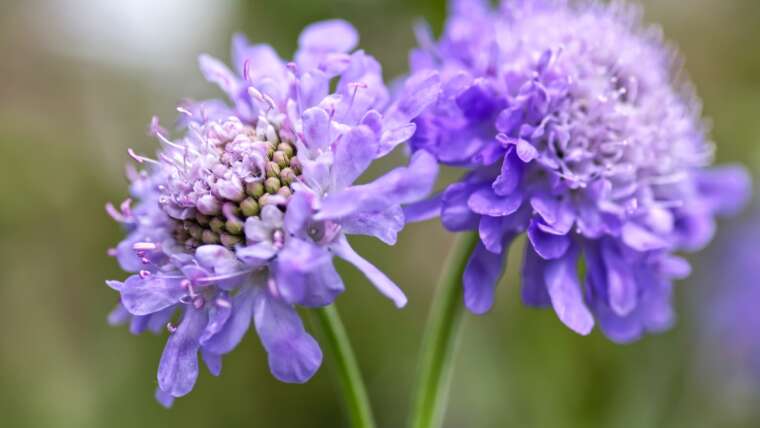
(239, 219)
(576, 130)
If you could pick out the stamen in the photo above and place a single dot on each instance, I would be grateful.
(198, 303)
(115, 214)
(144, 246)
(141, 159)
(246, 70)
(272, 286)
(223, 303)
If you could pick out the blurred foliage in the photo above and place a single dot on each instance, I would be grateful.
(65, 123)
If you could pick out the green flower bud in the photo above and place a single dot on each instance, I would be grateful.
(286, 148)
(285, 191)
(216, 224)
(272, 185)
(230, 241)
(195, 230)
(272, 169)
(254, 189)
(287, 176)
(281, 159)
(234, 226)
(249, 207)
(210, 237)
(264, 200)
(201, 219)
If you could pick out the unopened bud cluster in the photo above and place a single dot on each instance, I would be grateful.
(244, 169)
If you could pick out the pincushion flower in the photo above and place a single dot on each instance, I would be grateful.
(239, 219)
(577, 130)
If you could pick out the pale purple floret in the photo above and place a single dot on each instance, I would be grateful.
(239, 220)
(577, 131)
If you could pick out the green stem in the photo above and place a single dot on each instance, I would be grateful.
(336, 341)
(439, 344)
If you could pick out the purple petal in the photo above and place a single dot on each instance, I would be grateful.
(481, 275)
(219, 312)
(119, 315)
(621, 284)
(485, 202)
(316, 127)
(294, 356)
(534, 292)
(152, 294)
(456, 215)
(178, 368)
(297, 260)
(217, 257)
(400, 186)
(420, 91)
(353, 154)
(492, 231)
(262, 60)
(216, 72)
(164, 398)
(393, 137)
(547, 245)
(525, 151)
(257, 254)
(299, 212)
(343, 250)
(157, 321)
(313, 86)
(511, 173)
(384, 225)
(236, 326)
(476, 103)
(641, 239)
(213, 362)
(565, 292)
(726, 189)
(334, 35)
(557, 214)
(321, 285)
(424, 210)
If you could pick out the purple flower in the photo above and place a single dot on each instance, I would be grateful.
(575, 130)
(239, 220)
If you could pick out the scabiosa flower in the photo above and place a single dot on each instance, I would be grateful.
(239, 220)
(577, 131)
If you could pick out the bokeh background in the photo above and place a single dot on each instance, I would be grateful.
(79, 81)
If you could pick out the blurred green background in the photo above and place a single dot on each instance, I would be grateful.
(79, 81)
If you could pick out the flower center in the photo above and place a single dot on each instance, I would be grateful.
(236, 171)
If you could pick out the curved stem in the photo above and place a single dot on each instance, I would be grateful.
(439, 344)
(335, 340)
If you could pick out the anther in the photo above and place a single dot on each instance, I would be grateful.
(144, 246)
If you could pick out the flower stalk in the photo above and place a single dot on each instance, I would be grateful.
(440, 341)
(339, 351)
